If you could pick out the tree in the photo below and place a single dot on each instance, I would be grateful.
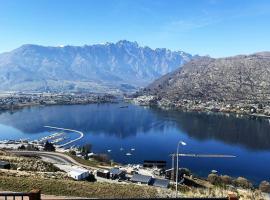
(86, 149)
(22, 147)
(49, 146)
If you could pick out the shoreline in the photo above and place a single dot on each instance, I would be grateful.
(255, 110)
(20, 101)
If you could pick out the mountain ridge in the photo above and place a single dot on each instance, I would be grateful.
(241, 77)
(117, 67)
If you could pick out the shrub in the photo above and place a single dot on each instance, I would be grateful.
(72, 152)
(227, 180)
(102, 158)
(31, 147)
(185, 171)
(214, 179)
(265, 186)
(242, 182)
(49, 146)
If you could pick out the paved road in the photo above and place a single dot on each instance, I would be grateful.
(58, 158)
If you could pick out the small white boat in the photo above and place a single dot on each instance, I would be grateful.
(109, 150)
(132, 149)
(121, 149)
(128, 154)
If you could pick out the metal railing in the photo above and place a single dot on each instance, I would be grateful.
(32, 195)
(36, 195)
(149, 199)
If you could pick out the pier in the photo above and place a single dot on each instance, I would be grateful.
(66, 129)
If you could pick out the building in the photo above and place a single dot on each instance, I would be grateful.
(78, 173)
(103, 174)
(163, 183)
(4, 165)
(154, 164)
(116, 173)
(139, 178)
(171, 173)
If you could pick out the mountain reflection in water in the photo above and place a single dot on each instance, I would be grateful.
(154, 134)
(111, 120)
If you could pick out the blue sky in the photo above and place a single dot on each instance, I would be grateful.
(207, 27)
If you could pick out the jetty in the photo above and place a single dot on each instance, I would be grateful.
(81, 134)
(51, 137)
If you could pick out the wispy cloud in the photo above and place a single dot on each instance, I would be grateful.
(183, 25)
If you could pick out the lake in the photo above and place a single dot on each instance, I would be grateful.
(154, 134)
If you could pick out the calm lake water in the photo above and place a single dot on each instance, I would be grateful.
(154, 134)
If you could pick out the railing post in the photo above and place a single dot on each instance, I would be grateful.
(35, 195)
(232, 196)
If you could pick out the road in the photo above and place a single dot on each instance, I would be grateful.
(64, 162)
(58, 158)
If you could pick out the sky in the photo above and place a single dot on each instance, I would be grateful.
(217, 28)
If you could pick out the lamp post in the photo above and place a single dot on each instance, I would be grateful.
(177, 166)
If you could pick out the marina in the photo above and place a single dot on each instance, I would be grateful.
(55, 138)
(70, 130)
(51, 137)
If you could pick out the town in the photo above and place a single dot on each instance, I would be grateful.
(17, 100)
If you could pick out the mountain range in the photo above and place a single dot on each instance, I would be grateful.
(115, 67)
(242, 77)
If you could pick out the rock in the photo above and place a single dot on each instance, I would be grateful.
(265, 186)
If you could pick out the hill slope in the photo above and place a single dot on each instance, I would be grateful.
(245, 78)
(114, 67)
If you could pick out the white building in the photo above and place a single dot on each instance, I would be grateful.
(78, 173)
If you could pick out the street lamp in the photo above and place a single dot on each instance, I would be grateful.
(177, 167)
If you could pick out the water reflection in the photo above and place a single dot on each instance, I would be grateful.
(128, 122)
(247, 131)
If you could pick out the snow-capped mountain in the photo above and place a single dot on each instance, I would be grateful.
(110, 67)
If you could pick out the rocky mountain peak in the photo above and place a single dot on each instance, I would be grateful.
(101, 67)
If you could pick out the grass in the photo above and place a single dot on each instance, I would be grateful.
(75, 188)
(28, 163)
(91, 163)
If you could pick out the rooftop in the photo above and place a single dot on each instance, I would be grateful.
(4, 162)
(78, 171)
(116, 171)
(160, 183)
(141, 178)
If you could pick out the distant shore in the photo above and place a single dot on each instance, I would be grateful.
(16, 101)
(257, 110)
